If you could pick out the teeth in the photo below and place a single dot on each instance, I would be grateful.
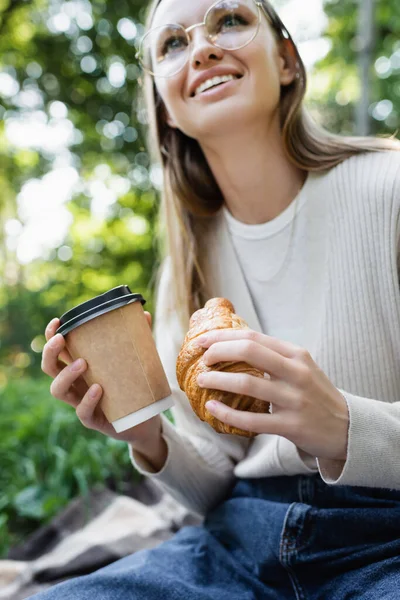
(214, 81)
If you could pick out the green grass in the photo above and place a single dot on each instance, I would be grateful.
(47, 458)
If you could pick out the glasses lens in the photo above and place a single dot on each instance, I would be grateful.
(231, 24)
(164, 50)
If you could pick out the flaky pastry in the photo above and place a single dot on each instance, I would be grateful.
(218, 313)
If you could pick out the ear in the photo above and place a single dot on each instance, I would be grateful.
(170, 121)
(288, 62)
(165, 113)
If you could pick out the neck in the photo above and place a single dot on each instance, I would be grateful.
(257, 180)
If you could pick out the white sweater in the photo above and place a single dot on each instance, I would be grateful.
(339, 297)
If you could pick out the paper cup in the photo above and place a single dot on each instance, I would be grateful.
(112, 334)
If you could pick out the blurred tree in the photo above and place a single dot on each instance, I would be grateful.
(335, 87)
(366, 42)
(68, 92)
(77, 216)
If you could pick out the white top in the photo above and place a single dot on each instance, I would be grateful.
(286, 305)
(339, 297)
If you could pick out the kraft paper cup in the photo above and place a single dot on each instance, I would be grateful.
(112, 334)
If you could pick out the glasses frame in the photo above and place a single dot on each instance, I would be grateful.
(261, 9)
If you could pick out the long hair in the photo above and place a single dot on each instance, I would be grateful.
(190, 194)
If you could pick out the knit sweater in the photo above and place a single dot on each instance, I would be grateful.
(338, 296)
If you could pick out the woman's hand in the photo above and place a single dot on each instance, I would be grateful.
(307, 408)
(69, 386)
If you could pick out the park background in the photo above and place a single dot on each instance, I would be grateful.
(79, 201)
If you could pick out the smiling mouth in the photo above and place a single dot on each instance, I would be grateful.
(213, 83)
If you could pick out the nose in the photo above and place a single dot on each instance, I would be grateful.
(203, 51)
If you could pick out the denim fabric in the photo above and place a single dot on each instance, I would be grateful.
(272, 539)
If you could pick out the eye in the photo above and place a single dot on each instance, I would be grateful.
(231, 21)
(172, 45)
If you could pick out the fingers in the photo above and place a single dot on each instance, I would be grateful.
(257, 422)
(251, 352)
(64, 377)
(61, 385)
(51, 328)
(86, 409)
(48, 360)
(51, 365)
(248, 385)
(286, 349)
(148, 317)
(66, 385)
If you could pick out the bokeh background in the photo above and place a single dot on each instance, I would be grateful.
(79, 197)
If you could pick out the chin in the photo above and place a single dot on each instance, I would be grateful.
(223, 118)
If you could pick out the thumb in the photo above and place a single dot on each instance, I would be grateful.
(148, 317)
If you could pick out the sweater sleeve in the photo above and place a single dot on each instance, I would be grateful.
(198, 471)
(373, 453)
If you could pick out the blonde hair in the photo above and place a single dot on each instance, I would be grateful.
(191, 196)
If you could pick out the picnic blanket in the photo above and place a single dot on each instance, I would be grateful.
(89, 533)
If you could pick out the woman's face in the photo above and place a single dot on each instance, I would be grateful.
(237, 104)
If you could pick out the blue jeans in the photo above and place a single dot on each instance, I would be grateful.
(271, 539)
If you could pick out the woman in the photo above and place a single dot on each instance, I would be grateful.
(300, 230)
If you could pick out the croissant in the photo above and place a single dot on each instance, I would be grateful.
(218, 313)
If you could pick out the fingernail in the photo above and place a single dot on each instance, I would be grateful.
(55, 341)
(200, 379)
(94, 391)
(50, 325)
(77, 365)
(211, 405)
(201, 340)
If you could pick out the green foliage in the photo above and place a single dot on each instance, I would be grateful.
(120, 248)
(47, 458)
(334, 89)
(63, 53)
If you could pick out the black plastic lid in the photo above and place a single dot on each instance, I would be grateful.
(115, 298)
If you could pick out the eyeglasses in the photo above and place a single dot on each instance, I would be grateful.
(229, 24)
